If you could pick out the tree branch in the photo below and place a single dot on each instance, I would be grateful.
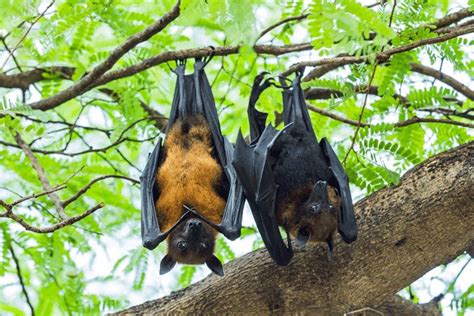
(22, 283)
(411, 121)
(41, 175)
(82, 85)
(446, 79)
(23, 80)
(281, 22)
(44, 230)
(26, 33)
(89, 185)
(421, 223)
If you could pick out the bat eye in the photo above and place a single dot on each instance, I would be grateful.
(182, 245)
(203, 245)
(331, 207)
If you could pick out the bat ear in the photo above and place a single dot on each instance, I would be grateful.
(167, 264)
(215, 265)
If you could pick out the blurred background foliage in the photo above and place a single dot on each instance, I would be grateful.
(97, 264)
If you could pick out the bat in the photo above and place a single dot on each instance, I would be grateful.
(189, 187)
(290, 179)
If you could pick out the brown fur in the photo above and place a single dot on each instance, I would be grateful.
(291, 214)
(189, 175)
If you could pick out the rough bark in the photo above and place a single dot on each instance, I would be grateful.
(404, 231)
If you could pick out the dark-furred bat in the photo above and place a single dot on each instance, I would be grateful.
(189, 188)
(290, 179)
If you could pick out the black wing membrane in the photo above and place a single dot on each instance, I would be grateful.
(192, 95)
(347, 225)
(253, 165)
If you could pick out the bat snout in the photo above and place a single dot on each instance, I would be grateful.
(315, 209)
(194, 225)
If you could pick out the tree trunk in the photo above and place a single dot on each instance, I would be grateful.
(404, 231)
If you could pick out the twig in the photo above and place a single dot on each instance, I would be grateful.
(379, 2)
(26, 33)
(37, 195)
(20, 278)
(41, 175)
(322, 94)
(411, 121)
(354, 138)
(89, 185)
(50, 229)
(274, 26)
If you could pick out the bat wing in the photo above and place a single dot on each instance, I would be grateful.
(257, 119)
(192, 95)
(294, 106)
(253, 165)
(346, 223)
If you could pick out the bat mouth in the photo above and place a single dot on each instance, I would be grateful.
(304, 234)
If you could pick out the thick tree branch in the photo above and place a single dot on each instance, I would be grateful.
(82, 85)
(421, 223)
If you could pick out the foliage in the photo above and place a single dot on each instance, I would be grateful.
(66, 272)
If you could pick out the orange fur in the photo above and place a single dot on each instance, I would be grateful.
(189, 174)
(288, 214)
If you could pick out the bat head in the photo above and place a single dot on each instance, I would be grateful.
(192, 242)
(317, 216)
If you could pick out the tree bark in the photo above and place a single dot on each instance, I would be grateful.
(404, 231)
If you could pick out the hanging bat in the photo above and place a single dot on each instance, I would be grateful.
(189, 188)
(290, 179)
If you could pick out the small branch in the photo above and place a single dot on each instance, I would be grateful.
(89, 185)
(274, 26)
(26, 33)
(41, 175)
(366, 97)
(449, 112)
(37, 195)
(354, 138)
(50, 229)
(411, 121)
(323, 94)
(336, 117)
(379, 2)
(159, 119)
(416, 119)
(20, 278)
(446, 79)
(82, 85)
